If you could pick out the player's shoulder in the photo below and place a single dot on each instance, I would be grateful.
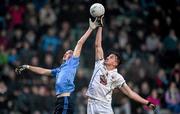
(118, 75)
(74, 58)
(99, 62)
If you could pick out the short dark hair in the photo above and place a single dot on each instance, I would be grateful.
(117, 55)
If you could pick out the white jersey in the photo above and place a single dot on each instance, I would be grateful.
(103, 82)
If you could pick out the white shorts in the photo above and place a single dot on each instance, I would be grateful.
(98, 107)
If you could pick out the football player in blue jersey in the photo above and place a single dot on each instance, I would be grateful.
(64, 74)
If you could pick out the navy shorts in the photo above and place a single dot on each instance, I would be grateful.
(64, 105)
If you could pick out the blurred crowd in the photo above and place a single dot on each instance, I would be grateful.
(38, 32)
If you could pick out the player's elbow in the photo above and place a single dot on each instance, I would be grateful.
(96, 45)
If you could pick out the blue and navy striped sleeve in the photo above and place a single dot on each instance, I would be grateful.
(54, 71)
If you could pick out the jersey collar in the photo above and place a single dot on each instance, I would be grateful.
(114, 70)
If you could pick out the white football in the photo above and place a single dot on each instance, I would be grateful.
(97, 10)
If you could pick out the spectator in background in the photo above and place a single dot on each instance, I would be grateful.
(175, 76)
(13, 57)
(2, 14)
(65, 33)
(41, 94)
(17, 38)
(36, 112)
(172, 98)
(170, 42)
(81, 80)
(110, 39)
(30, 10)
(35, 60)
(155, 100)
(3, 87)
(48, 61)
(16, 13)
(156, 27)
(128, 54)
(145, 89)
(39, 4)
(171, 55)
(152, 66)
(32, 23)
(3, 98)
(139, 40)
(81, 101)
(31, 37)
(47, 16)
(147, 4)
(152, 42)
(136, 71)
(4, 39)
(161, 79)
(50, 42)
(3, 56)
(23, 101)
(23, 52)
(122, 39)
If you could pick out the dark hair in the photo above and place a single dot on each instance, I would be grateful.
(117, 55)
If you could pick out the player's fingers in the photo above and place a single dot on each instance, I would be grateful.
(90, 20)
(96, 19)
(102, 23)
(153, 107)
(102, 16)
(17, 70)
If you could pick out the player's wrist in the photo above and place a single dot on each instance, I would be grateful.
(91, 28)
(148, 104)
(26, 66)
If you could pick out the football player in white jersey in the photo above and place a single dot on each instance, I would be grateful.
(105, 78)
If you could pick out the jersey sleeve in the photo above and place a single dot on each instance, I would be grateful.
(74, 61)
(119, 81)
(54, 71)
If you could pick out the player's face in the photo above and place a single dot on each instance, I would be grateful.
(67, 55)
(111, 60)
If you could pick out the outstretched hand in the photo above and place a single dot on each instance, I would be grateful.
(97, 23)
(151, 106)
(19, 69)
(100, 20)
(93, 25)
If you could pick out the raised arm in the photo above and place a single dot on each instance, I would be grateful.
(38, 70)
(133, 95)
(78, 47)
(99, 54)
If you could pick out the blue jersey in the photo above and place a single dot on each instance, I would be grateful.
(65, 75)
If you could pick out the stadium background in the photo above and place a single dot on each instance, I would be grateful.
(37, 32)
